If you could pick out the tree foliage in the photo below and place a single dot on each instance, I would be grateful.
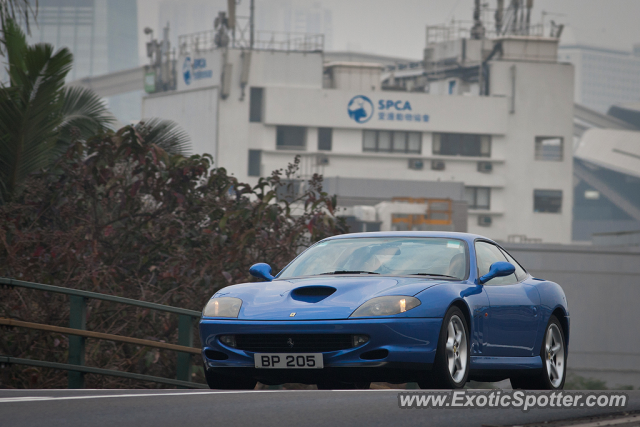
(38, 115)
(22, 11)
(121, 216)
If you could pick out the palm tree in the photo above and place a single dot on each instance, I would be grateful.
(39, 117)
(17, 10)
(166, 134)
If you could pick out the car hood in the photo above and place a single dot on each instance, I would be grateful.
(318, 298)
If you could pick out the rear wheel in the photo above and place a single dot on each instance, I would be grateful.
(553, 354)
(451, 365)
(223, 382)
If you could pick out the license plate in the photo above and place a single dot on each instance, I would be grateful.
(288, 360)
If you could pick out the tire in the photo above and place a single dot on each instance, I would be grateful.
(451, 365)
(223, 382)
(553, 353)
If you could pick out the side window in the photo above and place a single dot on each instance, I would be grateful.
(487, 254)
(520, 273)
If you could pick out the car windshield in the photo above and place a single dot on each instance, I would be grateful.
(383, 255)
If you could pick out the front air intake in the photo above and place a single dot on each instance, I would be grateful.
(375, 354)
(312, 294)
(215, 355)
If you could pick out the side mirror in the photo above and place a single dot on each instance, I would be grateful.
(261, 271)
(498, 269)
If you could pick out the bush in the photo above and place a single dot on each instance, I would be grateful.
(122, 217)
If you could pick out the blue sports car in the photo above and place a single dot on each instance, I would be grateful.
(435, 308)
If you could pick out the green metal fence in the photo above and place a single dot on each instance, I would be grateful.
(77, 322)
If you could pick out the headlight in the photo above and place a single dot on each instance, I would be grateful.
(222, 307)
(386, 306)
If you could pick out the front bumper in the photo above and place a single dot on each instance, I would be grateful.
(411, 344)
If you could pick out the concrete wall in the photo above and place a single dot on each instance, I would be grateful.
(542, 107)
(602, 285)
(196, 111)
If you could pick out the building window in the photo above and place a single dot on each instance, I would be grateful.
(291, 138)
(549, 148)
(255, 160)
(386, 141)
(325, 137)
(547, 201)
(255, 104)
(478, 197)
(462, 144)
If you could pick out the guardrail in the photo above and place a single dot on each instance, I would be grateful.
(77, 335)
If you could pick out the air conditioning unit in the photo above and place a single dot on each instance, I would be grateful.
(437, 165)
(322, 160)
(485, 167)
(484, 220)
(416, 164)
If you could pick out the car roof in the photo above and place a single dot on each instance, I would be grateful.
(468, 237)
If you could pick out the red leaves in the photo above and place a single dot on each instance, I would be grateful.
(107, 231)
(134, 188)
(227, 276)
(179, 197)
(39, 251)
(123, 218)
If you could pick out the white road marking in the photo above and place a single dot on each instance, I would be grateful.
(107, 396)
(48, 398)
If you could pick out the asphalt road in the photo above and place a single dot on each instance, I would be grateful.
(140, 408)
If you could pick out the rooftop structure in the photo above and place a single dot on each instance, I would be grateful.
(491, 112)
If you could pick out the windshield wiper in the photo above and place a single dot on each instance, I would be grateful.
(349, 272)
(434, 274)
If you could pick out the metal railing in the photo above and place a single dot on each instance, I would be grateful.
(205, 41)
(457, 30)
(78, 334)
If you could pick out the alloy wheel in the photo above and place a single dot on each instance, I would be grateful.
(554, 352)
(456, 349)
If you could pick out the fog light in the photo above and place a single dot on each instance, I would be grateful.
(229, 340)
(359, 340)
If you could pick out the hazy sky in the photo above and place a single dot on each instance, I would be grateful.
(397, 27)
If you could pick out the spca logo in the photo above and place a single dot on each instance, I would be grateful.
(195, 70)
(360, 109)
(187, 70)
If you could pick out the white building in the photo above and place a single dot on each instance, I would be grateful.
(254, 110)
(603, 76)
(102, 36)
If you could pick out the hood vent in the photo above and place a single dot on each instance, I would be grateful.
(312, 294)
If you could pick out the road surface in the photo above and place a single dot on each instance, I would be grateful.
(157, 408)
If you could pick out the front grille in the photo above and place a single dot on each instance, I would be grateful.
(295, 343)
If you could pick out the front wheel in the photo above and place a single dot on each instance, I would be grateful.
(451, 365)
(553, 354)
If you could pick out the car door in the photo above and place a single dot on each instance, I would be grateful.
(513, 306)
